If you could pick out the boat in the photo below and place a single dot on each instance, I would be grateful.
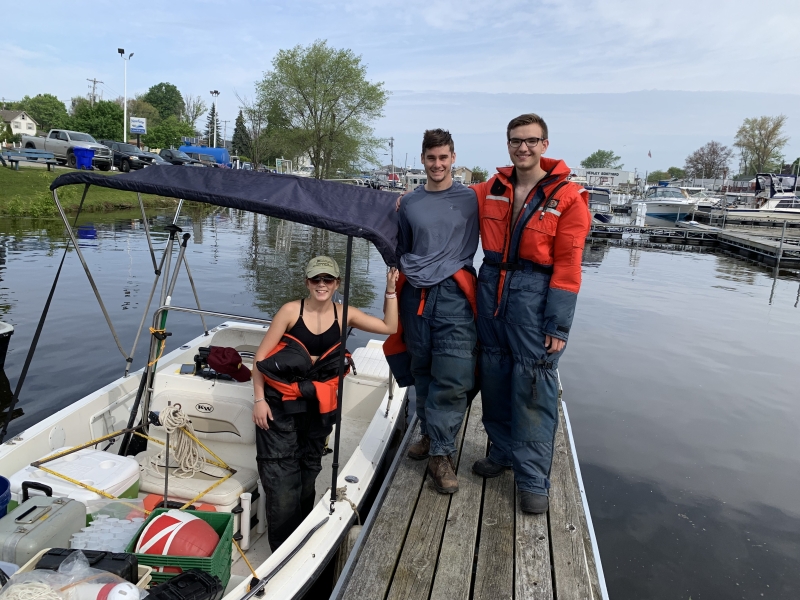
(600, 203)
(772, 201)
(665, 202)
(704, 201)
(370, 413)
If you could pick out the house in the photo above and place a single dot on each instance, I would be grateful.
(19, 121)
(462, 175)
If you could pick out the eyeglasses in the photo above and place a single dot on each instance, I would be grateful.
(322, 279)
(531, 143)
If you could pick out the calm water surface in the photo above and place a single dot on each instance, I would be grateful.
(681, 377)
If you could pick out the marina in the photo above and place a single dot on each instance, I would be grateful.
(477, 544)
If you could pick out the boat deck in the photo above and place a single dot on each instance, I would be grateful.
(477, 543)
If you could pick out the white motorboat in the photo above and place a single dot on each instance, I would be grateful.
(772, 202)
(600, 203)
(666, 202)
(370, 411)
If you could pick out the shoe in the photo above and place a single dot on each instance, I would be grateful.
(487, 468)
(536, 504)
(443, 474)
(420, 449)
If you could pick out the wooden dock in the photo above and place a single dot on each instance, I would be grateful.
(477, 543)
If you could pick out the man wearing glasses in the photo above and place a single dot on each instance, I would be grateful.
(533, 223)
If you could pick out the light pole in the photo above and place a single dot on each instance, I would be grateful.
(125, 93)
(215, 93)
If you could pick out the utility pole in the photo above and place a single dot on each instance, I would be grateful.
(94, 83)
(215, 94)
(391, 147)
(225, 133)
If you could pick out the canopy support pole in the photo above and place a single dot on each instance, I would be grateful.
(88, 274)
(342, 362)
(194, 291)
(40, 326)
(147, 232)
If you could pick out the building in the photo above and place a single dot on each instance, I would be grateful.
(604, 177)
(462, 175)
(20, 122)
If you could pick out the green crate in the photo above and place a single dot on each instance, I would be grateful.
(219, 563)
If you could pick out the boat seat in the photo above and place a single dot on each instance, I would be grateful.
(225, 496)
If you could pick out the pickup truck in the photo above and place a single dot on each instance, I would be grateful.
(61, 142)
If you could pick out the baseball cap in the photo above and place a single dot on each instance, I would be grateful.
(322, 264)
(227, 361)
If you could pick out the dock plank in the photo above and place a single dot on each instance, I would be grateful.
(415, 569)
(373, 573)
(591, 565)
(494, 576)
(570, 569)
(533, 576)
(453, 575)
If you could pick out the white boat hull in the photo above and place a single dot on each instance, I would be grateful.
(666, 209)
(369, 419)
(761, 214)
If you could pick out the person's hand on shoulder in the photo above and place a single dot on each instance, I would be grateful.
(391, 280)
(397, 204)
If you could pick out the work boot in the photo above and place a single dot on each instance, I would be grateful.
(443, 474)
(536, 504)
(487, 468)
(421, 448)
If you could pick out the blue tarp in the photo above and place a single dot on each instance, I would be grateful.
(347, 209)
(221, 155)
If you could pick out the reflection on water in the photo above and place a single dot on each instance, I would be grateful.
(680, 375)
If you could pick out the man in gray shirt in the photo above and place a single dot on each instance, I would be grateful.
(437, 241)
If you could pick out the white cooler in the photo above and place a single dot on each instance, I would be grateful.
(114, 474)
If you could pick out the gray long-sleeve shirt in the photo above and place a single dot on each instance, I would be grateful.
(438, 234)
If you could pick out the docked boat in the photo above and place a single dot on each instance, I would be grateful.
(600, 203)
(117, 419)
(772, 202)
(666, 202)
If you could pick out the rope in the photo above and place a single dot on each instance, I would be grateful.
(341, 494)
(30, 591)
(186, 451)
(163, 344)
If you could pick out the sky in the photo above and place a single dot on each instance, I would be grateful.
(630, 76)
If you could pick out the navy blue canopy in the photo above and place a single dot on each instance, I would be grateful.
(346, 209)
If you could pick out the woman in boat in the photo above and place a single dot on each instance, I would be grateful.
(295, 388)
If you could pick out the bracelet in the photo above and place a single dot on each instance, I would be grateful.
(391, 296)
(257, 400)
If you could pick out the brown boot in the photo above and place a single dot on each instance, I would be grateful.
(443, 474)
(420, 449)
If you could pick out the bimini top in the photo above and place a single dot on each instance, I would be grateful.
(346, 209)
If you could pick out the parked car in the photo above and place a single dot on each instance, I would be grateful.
(176, 157)
(205, 159)
(61, 143)
(127, 156)
(221, 156)
(157, 160)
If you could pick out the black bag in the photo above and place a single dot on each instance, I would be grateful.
(119, 563)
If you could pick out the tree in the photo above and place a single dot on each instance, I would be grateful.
(709, 162)
(47, 110)
(193, 109)
(328, 104)
(103, 120)
(9, 136)
(211, 121)
(256, 117)
(760, 141)
(167, 100)
(139, 107)
(167, 133)
(479, 175)
(602, 159)
(240, 140)
(656, 176)
(676, 173)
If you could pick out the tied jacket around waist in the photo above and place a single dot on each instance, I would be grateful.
(548, 237)
(293, 379)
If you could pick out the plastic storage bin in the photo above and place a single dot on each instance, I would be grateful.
(116, 475)
(219, 563)
(83, 158)
(143, 570)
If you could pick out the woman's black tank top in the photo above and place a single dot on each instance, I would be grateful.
(317, 345)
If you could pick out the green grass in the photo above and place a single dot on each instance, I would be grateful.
(26, 193)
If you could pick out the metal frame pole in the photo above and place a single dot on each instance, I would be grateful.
(342, 361)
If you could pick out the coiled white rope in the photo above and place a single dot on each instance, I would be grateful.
(31, 590)
(183, 450)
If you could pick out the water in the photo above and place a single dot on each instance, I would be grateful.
(681, 378)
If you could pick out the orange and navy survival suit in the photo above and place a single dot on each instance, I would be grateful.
(301, 395)
(527, 288)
